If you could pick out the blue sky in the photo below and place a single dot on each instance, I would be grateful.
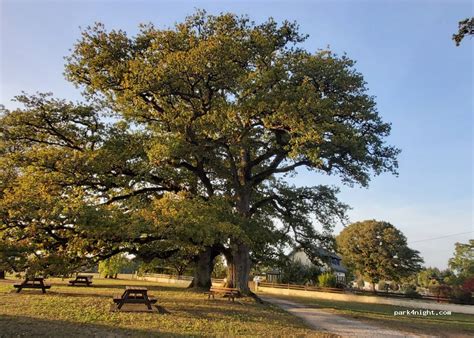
(422, 83)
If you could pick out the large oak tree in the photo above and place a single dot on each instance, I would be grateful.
(217, 108)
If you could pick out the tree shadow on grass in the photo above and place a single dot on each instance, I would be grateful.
(213, 309)
(122, 286)
(18, 326)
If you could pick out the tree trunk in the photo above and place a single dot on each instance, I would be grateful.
(239, 264)
(241, 255)
(238, 267)
(229, 258)
(2, 274)
(203, 269)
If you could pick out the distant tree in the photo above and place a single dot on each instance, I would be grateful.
(112, 266)
(466, 27)
(428, 277)
(220, 269)
(377, 250)
(462, 263)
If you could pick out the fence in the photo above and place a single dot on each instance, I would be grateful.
(300, 287)
(182, 281)
(166, 276)
(350, 291)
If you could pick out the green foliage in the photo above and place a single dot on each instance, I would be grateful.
(230, 104)
(295, 272)
(327, 280)
(429, 277)
(202, 118)
(13, 256)
(462, 296)
(409, 291)
(219, 270)
(377, 250)
(109, 268)
(462, 263)
(177, 263)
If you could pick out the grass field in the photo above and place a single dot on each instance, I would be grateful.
(85, 311)
(382, 315)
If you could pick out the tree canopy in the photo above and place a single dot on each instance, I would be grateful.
(186, 136)
(462, 263)
(378, 251)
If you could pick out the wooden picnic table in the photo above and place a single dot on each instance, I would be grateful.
(230, 293)
(81, 279)
(32, 283)
(135, 295)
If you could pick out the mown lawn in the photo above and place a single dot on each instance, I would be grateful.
(85, 311)
(457, 324)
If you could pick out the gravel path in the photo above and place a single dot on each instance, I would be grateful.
(322, 320)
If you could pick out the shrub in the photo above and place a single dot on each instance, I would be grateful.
(407, 287)
(382, 286)
(410, 291)
(327, 280)
(461, 296)
(468, 284)
(394, 286)
(360, 283)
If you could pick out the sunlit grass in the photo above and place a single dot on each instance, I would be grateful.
(85, 311)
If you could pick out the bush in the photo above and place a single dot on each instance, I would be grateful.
(468, 284)
(408, 287)
(327, 280)
(461, 296)
(382, 286)
(360, 283)
(410, 291)
(412, 294)
(394, 286)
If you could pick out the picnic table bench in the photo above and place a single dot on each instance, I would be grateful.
(81, 279)
(32, 283)
(134, 295)
(230, 293)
